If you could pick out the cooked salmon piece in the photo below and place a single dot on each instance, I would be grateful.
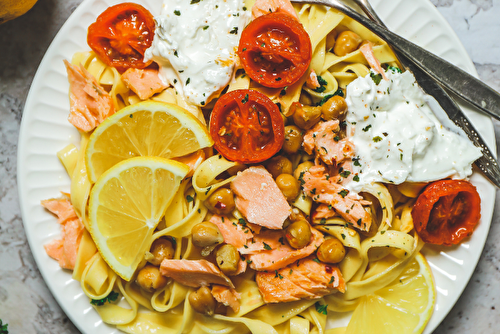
(144, 82)
(312, 80)
(323, 139)
(228, 297)
(194, 273)
(367, 51)
(192, 160)
(323, 211)
(90, 104)
(263, 7)
(242, 266)
(64, 249)
(233, 233)
(283, 255)
(259, 199)
(305, 279)
(323, 189)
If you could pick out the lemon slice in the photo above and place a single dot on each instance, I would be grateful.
(144, 129)
(126, 204)
(404, 306)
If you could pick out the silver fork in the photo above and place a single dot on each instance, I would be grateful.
(407, 50)
(450, 76)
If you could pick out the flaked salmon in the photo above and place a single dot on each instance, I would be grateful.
(194, 273)
(312, 80)
(192, 160)
(323, 189)
(64, 249)
(324, 140)
(144, 82)
(306, 279)
(90, 104)
(323, 211)
(367, 51)
(276, 253)
(228, 297)
(259, 199)
(263, 7)
(235, 234)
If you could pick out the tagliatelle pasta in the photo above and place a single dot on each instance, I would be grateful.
(374, 258)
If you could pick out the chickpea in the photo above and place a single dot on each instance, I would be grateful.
(202, 301)
(334, 108)
(293, 139)
(298, 234)
(150, 278)
(206, 234)
(279, 165)
(161, 249)
(221, 201)
(302, 168)
(227, 259)
(330, 39)
(331, 251)
(347, 42)
(305, 117)
(289, 186)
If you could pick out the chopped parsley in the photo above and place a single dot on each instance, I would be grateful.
(394, 69)
(376, 77)
(339, 92)
(343, 193)
(355, 178)
(177, 12)
(321, 308)
(345, 174)
(266, 246)
(315, 260)
(356, 162)
(283, 91)
(377, 139)
(366, 128)
(188, 81)
(189, 198)
(205, 27)
(108, 299)
(323, 83)
(3, 328)
(234, 31)
(245, 99)
(194, 1)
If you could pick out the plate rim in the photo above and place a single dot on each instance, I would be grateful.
(30, 101)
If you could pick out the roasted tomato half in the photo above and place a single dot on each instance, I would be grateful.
(275, 50)
(446, 212)
(246, 126)
(121, 35)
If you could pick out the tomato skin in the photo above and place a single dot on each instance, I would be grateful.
(246, 126)
(275, 50)
(446, 212)
(121, 35)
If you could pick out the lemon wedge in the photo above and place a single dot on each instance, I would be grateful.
(147, 128)
(126, 204)
(403, 307)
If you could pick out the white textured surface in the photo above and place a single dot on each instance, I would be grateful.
(26, 303)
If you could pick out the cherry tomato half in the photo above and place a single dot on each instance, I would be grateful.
(275, 50)
(446, 212)
(246, 126)
(121, 35)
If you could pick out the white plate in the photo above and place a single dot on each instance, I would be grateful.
(45, 130)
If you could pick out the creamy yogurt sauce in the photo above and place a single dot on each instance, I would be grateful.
(398, 138)
(195, 45)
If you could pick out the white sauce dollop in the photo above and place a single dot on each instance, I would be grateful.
(195, 45)
(398, 138)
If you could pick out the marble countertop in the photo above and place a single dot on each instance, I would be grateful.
(27, 305)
